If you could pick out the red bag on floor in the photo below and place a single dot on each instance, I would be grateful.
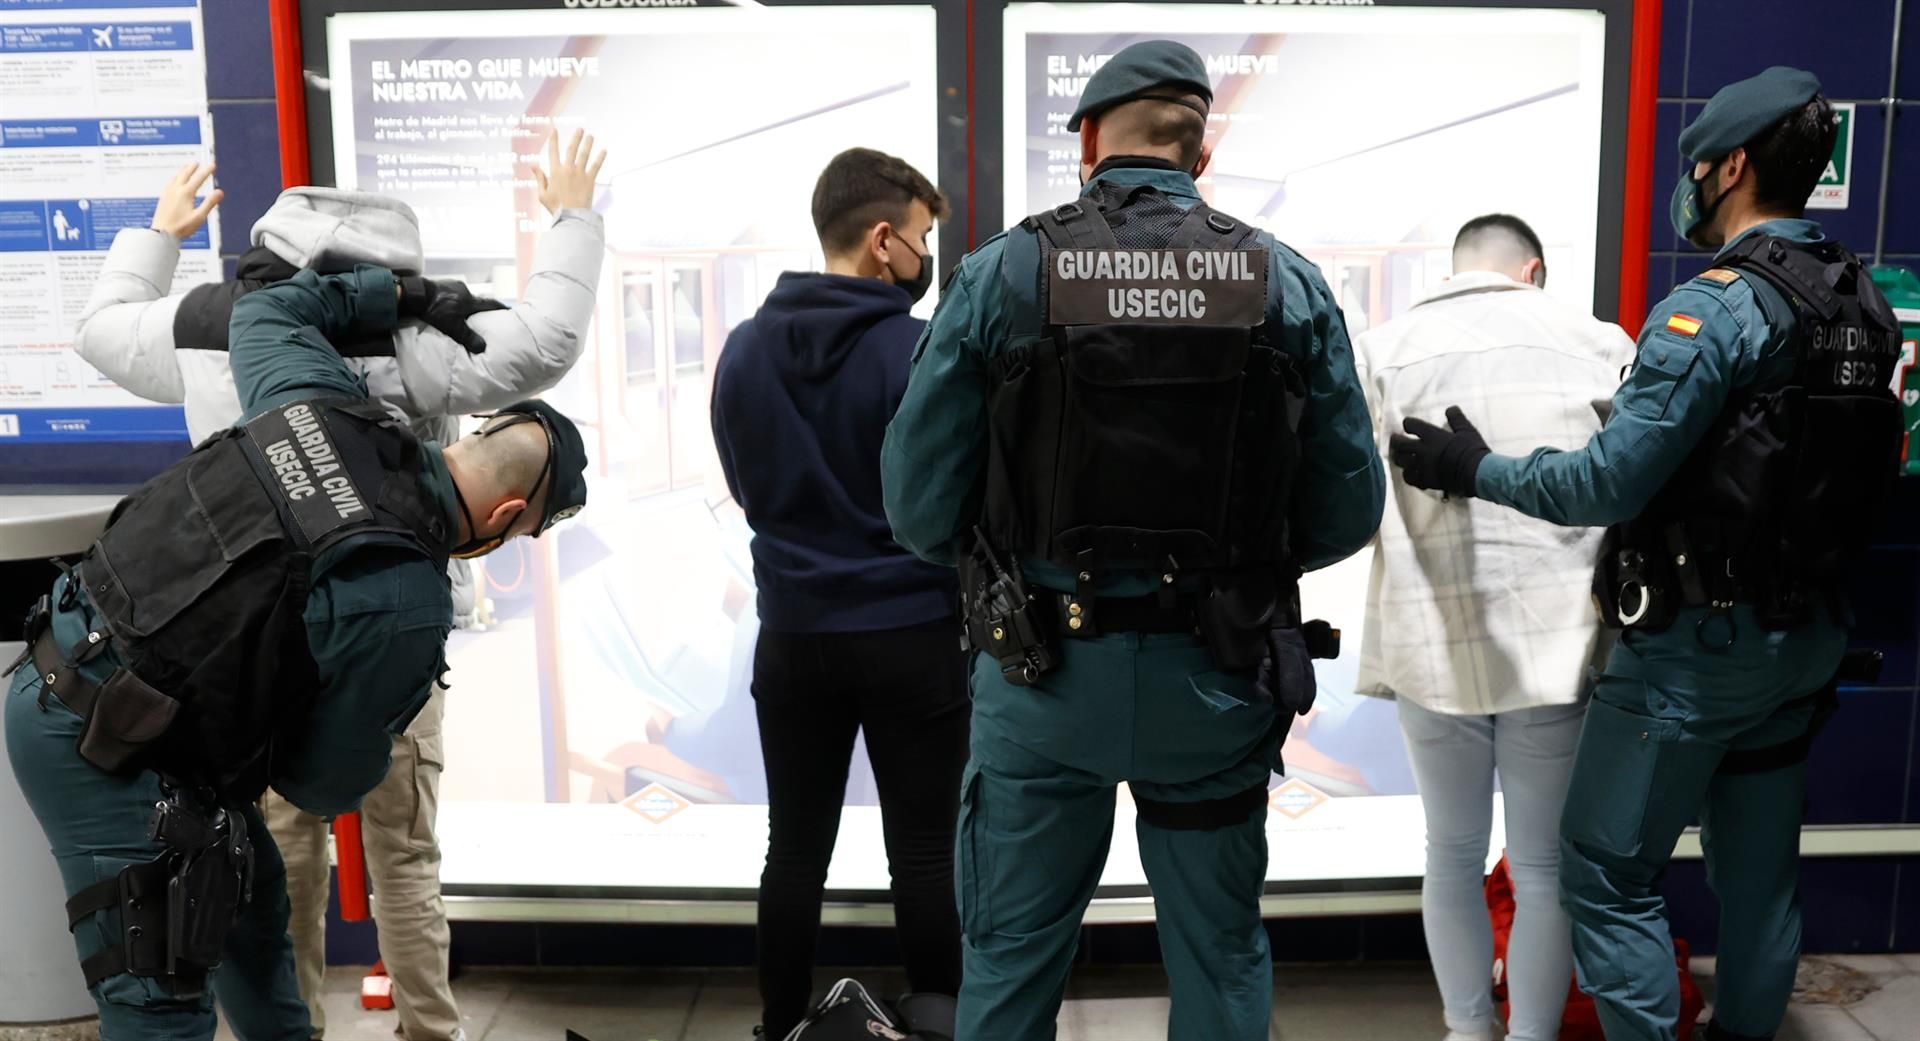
(1581, 1021)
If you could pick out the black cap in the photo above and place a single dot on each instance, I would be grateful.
(565, 477)
(1137, 71)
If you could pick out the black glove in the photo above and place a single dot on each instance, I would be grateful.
(1440, 460)
(446, 306)
(1286, 675)
(1287, 672)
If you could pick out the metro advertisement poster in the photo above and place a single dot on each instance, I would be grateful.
(600, 728)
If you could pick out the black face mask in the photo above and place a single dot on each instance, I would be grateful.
(477, 546)
(1691, 212)
(918, 285)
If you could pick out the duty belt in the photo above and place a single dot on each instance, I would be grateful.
(121, 717)
(57, 676)
(1127, 614)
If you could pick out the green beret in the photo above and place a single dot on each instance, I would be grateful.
(1136, 71)
(1741, 111)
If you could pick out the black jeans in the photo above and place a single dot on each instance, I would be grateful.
(813, 692)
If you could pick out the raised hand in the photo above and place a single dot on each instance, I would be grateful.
(570, 184)
(177, 214)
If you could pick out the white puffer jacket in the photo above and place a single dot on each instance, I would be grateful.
(127, 329)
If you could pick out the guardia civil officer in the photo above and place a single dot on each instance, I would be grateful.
(1745, 461)
(1132, 421)
(270, 610)
(173, 348)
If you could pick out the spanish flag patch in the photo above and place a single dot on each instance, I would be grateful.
(1683, 325)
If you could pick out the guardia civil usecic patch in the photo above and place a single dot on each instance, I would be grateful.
(1213, 287)
(307, 468)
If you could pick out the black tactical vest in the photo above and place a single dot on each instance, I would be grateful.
(1779, 498)
(1141, 417)
(201, 576)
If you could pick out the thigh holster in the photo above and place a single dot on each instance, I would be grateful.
(1206, 815)
(175, 909)
(1858, 666)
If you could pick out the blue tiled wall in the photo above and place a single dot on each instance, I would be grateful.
(1865, 767)
(1848, 44)
(245, 131)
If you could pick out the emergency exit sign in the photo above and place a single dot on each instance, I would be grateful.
(1837, 183)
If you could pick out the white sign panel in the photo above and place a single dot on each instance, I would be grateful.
(101, 101)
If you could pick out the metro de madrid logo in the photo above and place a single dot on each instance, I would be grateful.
(656, 802)
(1295, 798)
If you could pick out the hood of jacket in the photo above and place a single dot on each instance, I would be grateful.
(811, 322)
(331, 229)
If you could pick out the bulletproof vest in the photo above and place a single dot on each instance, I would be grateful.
(1781, 495)
(1141, 416)
(202, 575)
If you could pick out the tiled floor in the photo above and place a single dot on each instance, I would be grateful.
(1373, 1002)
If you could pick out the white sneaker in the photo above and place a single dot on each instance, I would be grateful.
(1456, 1035)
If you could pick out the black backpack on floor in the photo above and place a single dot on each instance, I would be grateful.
(850, 1013)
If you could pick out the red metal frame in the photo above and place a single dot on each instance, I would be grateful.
(347, 850)
(1642, 107)
(290, 102)
(290, 92)
(1643, 89)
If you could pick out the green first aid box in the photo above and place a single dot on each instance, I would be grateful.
(1903, 292)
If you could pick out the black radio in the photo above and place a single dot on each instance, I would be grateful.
(1002, 618)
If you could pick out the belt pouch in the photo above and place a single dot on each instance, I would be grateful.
(127, 716)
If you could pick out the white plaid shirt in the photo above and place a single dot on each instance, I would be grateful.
(1476, 609)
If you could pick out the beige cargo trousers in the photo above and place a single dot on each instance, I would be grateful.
(403, 869)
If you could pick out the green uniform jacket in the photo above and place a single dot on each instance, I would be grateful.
(378, 613)
(1673, 394)
(934, 461)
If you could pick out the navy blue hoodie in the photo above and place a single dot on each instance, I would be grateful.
(801, 400)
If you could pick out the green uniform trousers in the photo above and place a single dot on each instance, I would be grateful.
(96, 824)
(1037, 819)
(1663, 716)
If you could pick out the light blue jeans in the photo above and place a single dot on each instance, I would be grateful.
(1455, 759)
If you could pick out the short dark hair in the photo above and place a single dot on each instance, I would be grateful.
(1156, 123)
(860, 188)
(1474, 233)
(1790, 156)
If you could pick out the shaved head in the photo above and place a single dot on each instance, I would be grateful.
(499, 466)
(1503, 243)
(1151, 126)
(513, 454)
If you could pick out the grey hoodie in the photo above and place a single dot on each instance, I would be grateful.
(331, 230)
(127, 329)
